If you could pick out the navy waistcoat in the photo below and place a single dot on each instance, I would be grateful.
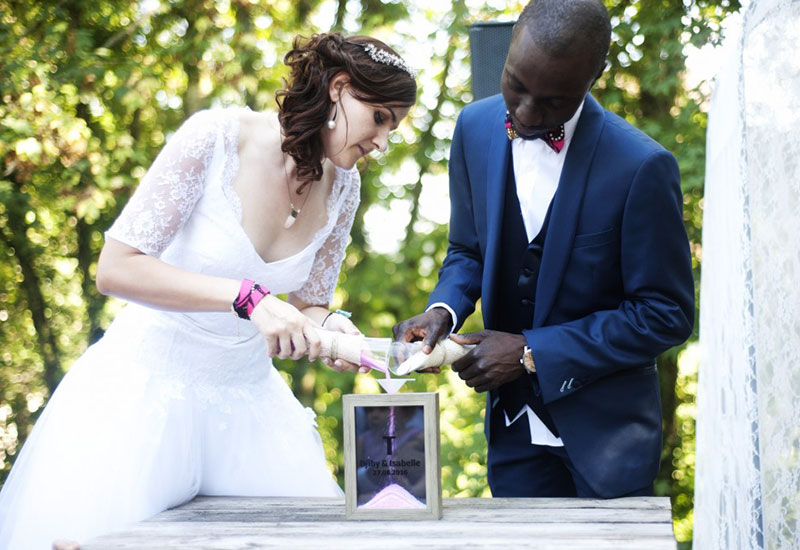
(516, 297)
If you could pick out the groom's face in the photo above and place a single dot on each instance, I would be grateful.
(542, 91)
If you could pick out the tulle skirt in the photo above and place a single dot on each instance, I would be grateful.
(120, 441)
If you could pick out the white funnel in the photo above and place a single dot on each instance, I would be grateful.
(392, 385)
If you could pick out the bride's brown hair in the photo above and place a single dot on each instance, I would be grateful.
(304, 104)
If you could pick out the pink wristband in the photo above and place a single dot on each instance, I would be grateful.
(250, 294)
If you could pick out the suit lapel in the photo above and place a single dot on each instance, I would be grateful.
(496, 181)
(567, 204)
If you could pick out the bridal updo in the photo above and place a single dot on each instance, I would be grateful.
(304, 104)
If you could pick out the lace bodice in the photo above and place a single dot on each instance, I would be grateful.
(195, 169)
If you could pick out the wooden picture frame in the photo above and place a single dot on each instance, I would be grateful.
(392, 456)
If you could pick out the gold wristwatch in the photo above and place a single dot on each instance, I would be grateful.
(527, 360)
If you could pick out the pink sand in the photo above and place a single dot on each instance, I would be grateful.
(367, 361)
(394, 497)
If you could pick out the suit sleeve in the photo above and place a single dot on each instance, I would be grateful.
(459, 283)
(657, 310)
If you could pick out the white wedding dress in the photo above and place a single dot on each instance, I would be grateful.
(170, 405)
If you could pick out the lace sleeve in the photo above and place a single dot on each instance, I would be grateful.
(318, 289)
(172, 186)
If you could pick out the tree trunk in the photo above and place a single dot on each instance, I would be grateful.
(93, 300)
(426, 141)
(31, 288)
(341, 11)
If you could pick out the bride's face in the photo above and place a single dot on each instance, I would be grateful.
(360, 128)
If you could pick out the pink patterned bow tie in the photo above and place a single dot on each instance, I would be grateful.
(554, 138)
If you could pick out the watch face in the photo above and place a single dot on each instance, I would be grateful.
(527, 360)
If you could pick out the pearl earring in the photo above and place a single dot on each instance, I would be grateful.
(332, 121)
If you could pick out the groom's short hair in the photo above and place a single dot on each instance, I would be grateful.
(567, 27)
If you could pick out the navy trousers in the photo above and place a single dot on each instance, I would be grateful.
(518, 469)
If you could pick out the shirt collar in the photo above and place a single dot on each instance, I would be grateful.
(569, 130)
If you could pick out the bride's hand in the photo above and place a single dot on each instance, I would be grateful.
(339, 323)
(288, 332)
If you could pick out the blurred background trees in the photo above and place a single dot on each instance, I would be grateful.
(90, 91)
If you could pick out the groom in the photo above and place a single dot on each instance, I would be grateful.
(567, 222)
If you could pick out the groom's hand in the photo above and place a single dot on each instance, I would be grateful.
(430, 327)
(493, 362)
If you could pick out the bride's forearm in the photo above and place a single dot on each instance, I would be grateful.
(127, 273)
(315, 313)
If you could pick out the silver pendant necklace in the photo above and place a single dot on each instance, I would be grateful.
(294, 211)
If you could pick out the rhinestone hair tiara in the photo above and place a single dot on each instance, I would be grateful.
(382, 56)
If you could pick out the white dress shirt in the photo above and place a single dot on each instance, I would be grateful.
(537, 169)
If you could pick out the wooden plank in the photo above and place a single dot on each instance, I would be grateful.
(406, 535)
(230, 523)
(473, 510)
(633, 503)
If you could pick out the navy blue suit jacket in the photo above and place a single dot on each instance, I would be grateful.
(615, 286)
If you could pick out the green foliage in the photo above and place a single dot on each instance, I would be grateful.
(89, 91)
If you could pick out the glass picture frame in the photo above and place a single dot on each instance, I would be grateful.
(392, 456)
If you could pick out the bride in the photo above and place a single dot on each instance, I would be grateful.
(180, 397)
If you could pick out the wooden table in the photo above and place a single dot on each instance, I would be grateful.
(230, 523)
